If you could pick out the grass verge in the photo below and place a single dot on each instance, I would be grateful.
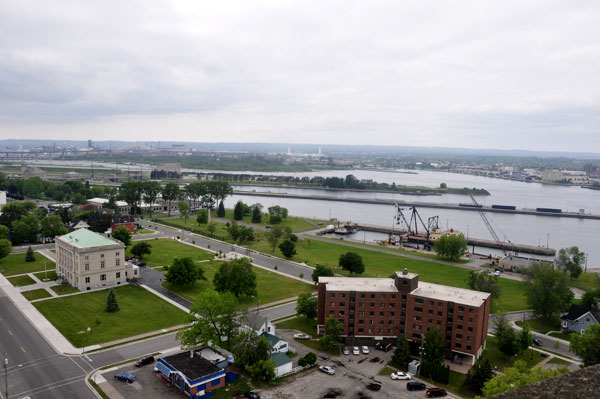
(64, 289)
(165, 250)
(299, 323)
(16, 264)
(537, 325)
(587, 281)
(501, 361)
(20, 281)
(51, 275)
(456, 384)
(36, 294)
(335, 351)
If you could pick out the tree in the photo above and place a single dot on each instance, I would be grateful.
(321, 270)
(4, 232)
(29, 256)
(547, 291)
(122, 234)
(275, 219)
(215, 320)
(25, 229)
(140, 249)
(570, 260)
(52, 226)
(443, 185)
(202, 217)
(333, 328)
(591, 298)
(525, 338)
(183, 271)
(5, 248)
(256, 215)
(288, 249)
(211, 228)
(587, 345)
(236, 277)
(151, 189)
(307, 306)
(402, 354)
(508, 341)
(111, 302)
(485, 282)
(479, 374)
(184, 209)
(433, 346)
(240, 233)
(517, 376)
(450, 246)
(238, 211)
(274, 237)
(250, 348)
(221, 210)
(263, 370)
(170, 193)
(277, 210)
(131, 192)
(307, 360)
(352, 262)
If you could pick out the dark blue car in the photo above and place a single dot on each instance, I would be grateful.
(125, 377)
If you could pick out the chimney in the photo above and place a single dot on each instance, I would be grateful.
(191, 354)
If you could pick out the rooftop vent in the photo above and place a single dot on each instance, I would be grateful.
(405, 271)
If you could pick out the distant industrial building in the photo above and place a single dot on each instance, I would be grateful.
(31, 171)
(169, 167)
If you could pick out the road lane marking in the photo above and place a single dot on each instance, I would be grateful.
(23, 349)
(10, 332)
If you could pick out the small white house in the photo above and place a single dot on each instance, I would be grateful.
(283, 364)
(277, 344)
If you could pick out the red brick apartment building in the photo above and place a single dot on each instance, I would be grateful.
(384, 308)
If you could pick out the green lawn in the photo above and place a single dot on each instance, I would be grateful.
(386, 371)
(51, 275)
(16, 264)
(165, 250)
(536, 325)
(20, 281)
(556, 360)
(384, 265)
(36, 294)
(317, 346)
(299, 323)
(502, 361)
(587, 282)
(561, 335)
(297, 224)
(270, 286)
(64, 289)
(455, 384)
(144, 231)
(191, 225)
(141, 312)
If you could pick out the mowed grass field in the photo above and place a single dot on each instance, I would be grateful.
(270, 286)
(296, 223)
(141, 312)
(16, 264)
(384, 265)
(165, 250)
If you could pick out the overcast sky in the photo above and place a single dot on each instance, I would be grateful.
(479, 74)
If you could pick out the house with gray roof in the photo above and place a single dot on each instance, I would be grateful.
(579, 318)
(277, 345)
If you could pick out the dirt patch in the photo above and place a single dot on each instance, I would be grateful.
(374, 387)
(333, 393)
(363, 396)
(374, 360)
(362, 360)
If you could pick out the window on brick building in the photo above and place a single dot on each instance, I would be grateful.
(458, 345)
(361, 305)
(415, 335)
(332, 304)
(342, 303)
(341, 313)
(372, 296)
(382, 296)
(361, 313)
(391, 322)
(417, 318)
(430, 321)
(392, 305)
(459, 326)
(370, 331)
(461, 308)
(440, 305)
(430, 311)
(331, 312)
(332, 295)
(393, 296)
(371, 322)
(372, 304)
(361, 330)
(418, 309)
(360, 321)
(371, 313)
(458, 336)
(403, 296)
(471, 310)
(390, 330)
(470, 320)
(362, 296)
(460, 318)
(392, 314)
(382, 305)
(342, 295)
(419, 300)
(439, 313)
(380, 331)
(439, 323)
(431, 303)
(381, 321)
(470, 329)
(469, 338)
(381, 314)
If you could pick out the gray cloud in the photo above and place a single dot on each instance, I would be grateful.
(466, 73)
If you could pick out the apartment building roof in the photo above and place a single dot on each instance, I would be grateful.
(367, 284)
(450, 294)
(84, 238)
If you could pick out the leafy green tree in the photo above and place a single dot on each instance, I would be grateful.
(508, 340)
(236, 277)
(25, 229)
(184, 210)
(307, 306)
(122, 234)
(288, 249)
(402, 354)
(450, 246)
(211, 228)
(571, 260)
(263, 370)
(591, 298)
(256, 215)
(333, 328)
(240, 233)
(29, 256)
(547, 292)
(131, 192)
(111, 302)
(525, 338)
(150, 191)
(275, 219)
(183, 271)
(15, 210)
(52, 226)
(238, 211)
(485, 282)
(170, 193)
(221, 210)
(307, 360)
(33, 187)
(274, 236)
(352, 262)
(250, 348)
(277, 210)
(5, 248)
(433, 346)
(4, 232)
(215, 320)
(140, 249)
(587, 345)
(321, 270)
(517, 376)
(202, 217)
(479, 374)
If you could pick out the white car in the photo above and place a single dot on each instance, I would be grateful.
(400, 376)
(365, 350)
(327, 370)
(497, 273)
(301, 336)
(355, 351)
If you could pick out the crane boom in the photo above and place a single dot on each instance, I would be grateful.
(485, 220)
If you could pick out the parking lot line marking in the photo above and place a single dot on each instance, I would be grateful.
(10, 332)
(23, 349)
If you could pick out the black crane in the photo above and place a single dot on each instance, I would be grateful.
(415, 218)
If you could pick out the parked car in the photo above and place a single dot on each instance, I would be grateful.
(134, 261)
(365, 350)
(346, 350)
(142, 361)
(125, 377)
(327, 370)
(435, 392)
(355, 351)
(383, 346)
(537, 341)
(400, 376)
(497, 273)
(251, 395)
(415, 386)
(128, 258)
(301, 336)
(141, 264)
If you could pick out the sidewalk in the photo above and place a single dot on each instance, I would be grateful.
(45, 328)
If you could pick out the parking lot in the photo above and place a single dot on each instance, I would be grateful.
(147, 385)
